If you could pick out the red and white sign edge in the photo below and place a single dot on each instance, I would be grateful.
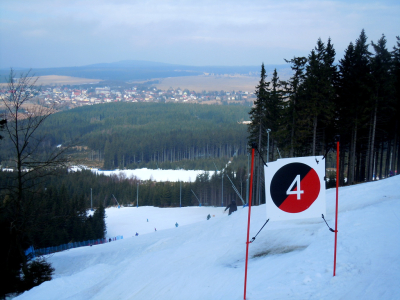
(316, 209)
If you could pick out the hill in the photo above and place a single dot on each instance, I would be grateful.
(134, 70)
(151, 135)
(205, 259)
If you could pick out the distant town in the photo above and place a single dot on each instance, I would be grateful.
(67, 97)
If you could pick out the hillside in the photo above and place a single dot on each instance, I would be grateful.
(205, 259)
(155, 135)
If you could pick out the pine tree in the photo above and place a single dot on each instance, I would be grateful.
(382, 104)
(293, 91)
(363, 82)
(320, 91)
(396, 84)
(274, 110)
(258, 113)
(258, 126)
(347, 105)
(99, 223)
(166, 195)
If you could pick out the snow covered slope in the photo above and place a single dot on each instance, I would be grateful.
(156, 175)
(203, 259)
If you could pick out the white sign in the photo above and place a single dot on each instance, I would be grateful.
(295, 188)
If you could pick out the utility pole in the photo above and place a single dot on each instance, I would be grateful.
(137, 195)
(268, 131)
(222, 184)
(222, 193)
(248, 179)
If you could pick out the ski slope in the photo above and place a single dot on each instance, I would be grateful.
(203, 259)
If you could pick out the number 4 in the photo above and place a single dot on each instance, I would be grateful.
(298, 191)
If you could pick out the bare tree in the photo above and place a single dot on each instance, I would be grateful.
(32, 156)
(33, 159)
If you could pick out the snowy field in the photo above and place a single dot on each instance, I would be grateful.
(203, 259)
(155, 175)
(149, 174)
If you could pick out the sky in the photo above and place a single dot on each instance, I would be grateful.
(205, 259)
(61, 33)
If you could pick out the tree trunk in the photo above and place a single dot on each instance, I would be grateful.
(371, 162)
(381, 160)
(352, 154)
(388, 158)
(314, 135)
(398, 158)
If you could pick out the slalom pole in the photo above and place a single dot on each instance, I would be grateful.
(337, 201)
(248, 222)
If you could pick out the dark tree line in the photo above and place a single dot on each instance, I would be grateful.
(89, 189)
(358, 99)
(56, 215)
(50, 216)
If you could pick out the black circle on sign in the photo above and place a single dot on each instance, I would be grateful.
(284, 178)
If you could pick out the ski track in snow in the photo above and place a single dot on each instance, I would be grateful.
(203, 259)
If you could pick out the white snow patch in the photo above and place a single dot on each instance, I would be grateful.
(156, 175)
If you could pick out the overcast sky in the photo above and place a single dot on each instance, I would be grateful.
(57, 33)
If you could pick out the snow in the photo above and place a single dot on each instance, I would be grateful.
(127, 221)
(156, 175)
(148, 174)
(203, 259)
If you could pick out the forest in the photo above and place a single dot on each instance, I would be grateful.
(356, 101)
(164, 135)
(86, 187)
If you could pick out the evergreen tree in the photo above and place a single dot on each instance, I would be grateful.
(347, 106)
(319, 87)
(257, 128)
(363, 84)
(99, 223)
(293, 92)
(395, 121)
(382, 102)
(166, 196)
(258, 113)
(274, 111)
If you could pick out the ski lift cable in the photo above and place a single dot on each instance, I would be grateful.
(259, 154)
(196, 197)
(279, 153)
(233, 186)
(115, 198)
(235, 189)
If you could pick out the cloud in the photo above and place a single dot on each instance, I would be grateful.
(103, 31)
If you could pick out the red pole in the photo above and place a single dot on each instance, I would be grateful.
(337, 202)
(248, 222)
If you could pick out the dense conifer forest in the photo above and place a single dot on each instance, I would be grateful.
(132, 135)
(356, 101)
(84, 185)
